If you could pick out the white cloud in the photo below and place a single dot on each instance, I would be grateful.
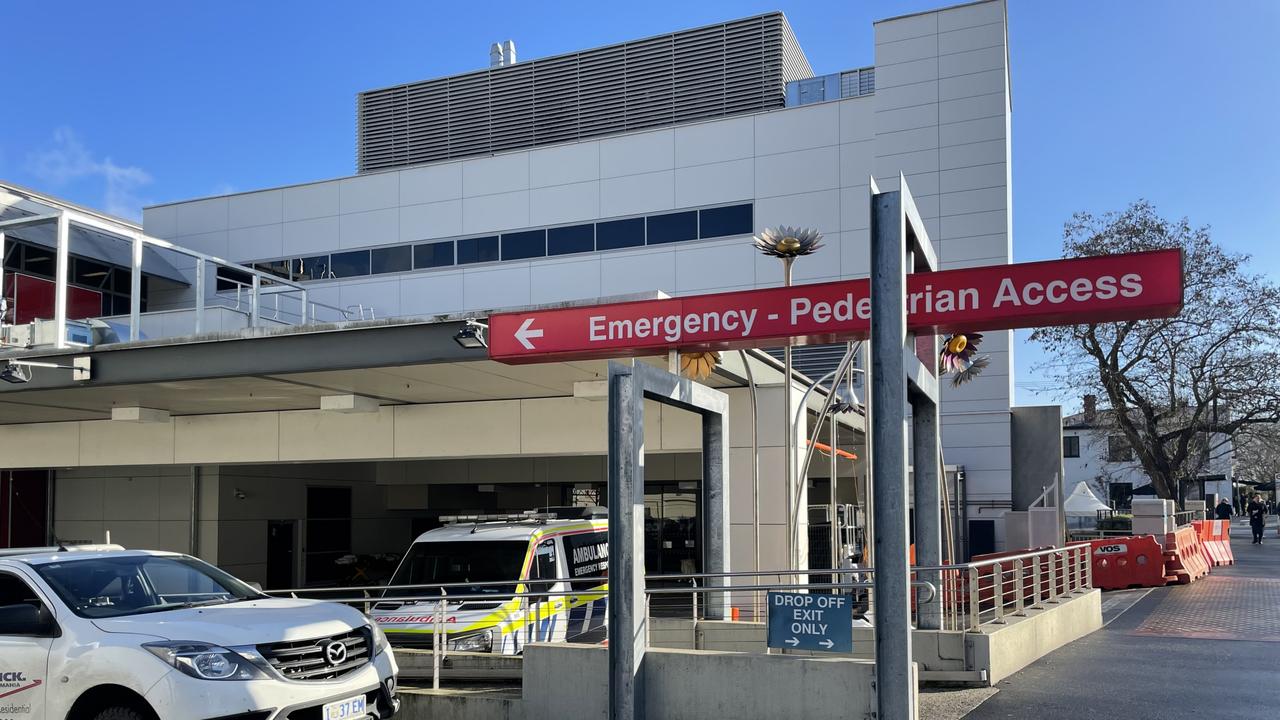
(67, 161)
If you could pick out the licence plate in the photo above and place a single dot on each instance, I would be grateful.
(346, 709)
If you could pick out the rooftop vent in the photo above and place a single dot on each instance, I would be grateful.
(502, 54)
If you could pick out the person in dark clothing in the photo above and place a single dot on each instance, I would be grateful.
(1257, 518)
(1223, 511)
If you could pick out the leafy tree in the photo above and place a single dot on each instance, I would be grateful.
(1180, 388)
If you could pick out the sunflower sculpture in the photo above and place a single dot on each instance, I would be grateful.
(959, 357)
(788, 242)
(698, 365)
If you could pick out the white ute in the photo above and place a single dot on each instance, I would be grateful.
(103, 633)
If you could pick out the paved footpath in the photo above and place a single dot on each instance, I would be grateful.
(1206, 650)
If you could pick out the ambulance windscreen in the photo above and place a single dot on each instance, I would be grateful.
(450, 563)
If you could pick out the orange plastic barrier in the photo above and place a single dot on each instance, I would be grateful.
(1184, 557)
(1215, 536)
(1127, 562)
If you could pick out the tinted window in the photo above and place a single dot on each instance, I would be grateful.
(279, 268)
(228, 279)
(1071, 446)
(619, 234)
(464, 562)
(349, 264)
(313, 268)
(524, 245)
(90, 273)
(127, 585)
(574, 239)
(732, 220)
(392, 259)
(477, 250)
(588, 557)
(673, 228)
(433, 255)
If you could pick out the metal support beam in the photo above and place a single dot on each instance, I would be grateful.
(200, 291)
(894, 687)
(629, 387)
(60, 280)
(135, 290)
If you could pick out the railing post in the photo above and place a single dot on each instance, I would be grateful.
(304, 308)
(437, 647)
(1036, 589)
(1019, 578)
(1087, 559)
(975, 611)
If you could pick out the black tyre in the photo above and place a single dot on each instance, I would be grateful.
(121, 712)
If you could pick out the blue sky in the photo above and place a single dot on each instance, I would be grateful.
(123, 105)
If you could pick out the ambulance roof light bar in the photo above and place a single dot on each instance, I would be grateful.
(497, 517)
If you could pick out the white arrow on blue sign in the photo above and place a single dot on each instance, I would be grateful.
(810, 621)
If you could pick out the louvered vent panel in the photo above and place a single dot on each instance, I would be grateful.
(601, 91)
(699, 74)
(511, 107)
(650, 82)
(555, 100)
(469, 114)
(382, 139)
(732, 68)
(428, 127)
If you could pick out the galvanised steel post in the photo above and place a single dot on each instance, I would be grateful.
(628, 620)
(928, 496)
(895, 689)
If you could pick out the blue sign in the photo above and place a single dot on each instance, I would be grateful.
(810, 621)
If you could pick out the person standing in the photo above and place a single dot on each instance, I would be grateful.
(1257, 511)
(1223, 511)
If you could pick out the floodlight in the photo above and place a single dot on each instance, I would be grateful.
(471, 335)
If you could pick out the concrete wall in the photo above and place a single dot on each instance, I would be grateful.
(1006, 649)
(143, 507)
(562, 681)
(1037, 453)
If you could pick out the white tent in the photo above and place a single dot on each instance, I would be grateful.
(1083, 503)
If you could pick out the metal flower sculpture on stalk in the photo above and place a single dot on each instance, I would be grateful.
(788, 243)
(959, 358)
(698, 365)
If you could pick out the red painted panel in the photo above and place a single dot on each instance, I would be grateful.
(32, 298)
(995, 297)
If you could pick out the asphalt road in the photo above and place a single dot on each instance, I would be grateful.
(1206, 650)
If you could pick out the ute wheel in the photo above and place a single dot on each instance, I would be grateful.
(120, 712)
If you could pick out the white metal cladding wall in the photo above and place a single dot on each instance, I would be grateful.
(731, 68)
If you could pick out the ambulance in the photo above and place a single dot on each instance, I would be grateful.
(512, 560)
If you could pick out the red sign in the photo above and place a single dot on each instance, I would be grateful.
(993, 297)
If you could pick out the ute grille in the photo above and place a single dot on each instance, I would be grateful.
(307, 659)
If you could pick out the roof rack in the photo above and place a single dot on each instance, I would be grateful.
(65, 547)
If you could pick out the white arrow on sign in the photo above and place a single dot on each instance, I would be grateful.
(525, 333)
(792, 642)
(827, 643)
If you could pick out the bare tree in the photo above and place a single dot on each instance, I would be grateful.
(1180, 388)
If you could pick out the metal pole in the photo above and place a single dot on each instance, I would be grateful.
(789, 470)
(755, 474)
(200, 290)
(835, 502)
(628, 621)
(254, 309)
(895, 689)
(924, 424)
(4, 301)
(436, 648)
(60, 280)
(135, 290)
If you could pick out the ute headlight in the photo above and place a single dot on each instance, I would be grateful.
(380, 642)
(205, 661)
(476, 642)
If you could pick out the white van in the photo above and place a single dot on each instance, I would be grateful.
(518, 549)
(104, 633)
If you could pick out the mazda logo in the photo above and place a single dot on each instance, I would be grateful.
(335, 652)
